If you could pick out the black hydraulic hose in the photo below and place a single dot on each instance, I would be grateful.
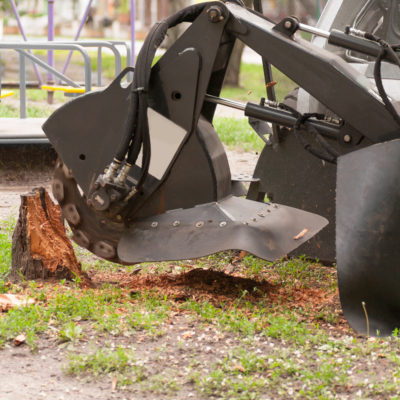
(330, 154)
(378, 80)
(389, 52)
(136, 135)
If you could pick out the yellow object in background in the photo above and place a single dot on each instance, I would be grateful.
(6, 93)
(65, 89)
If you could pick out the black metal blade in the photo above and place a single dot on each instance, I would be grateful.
(266, 230)
(368, 237)
(86, 132)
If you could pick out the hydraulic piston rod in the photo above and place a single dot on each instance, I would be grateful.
(270, 113)
(352, 39)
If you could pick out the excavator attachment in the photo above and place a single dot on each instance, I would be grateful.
(178, 227)
(367, 237)
(143, 176)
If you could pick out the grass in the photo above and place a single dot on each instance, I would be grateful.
(63, 308)
(32, 111)
(264, 344)
(120, 364)
(237, 134)
(273, 350)
(252, 85)
(6, 229)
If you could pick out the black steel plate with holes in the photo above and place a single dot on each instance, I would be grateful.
(86, 132)
(290, 175)
(368, 237)
(265, 230)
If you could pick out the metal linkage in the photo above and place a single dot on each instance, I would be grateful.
(271, 113)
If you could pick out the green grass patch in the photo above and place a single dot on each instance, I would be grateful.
(252, 85)
(32, 111)
(237, 134)
(6, 230)
(119, 364)
(64, 309)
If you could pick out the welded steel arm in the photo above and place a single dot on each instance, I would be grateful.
(324, 75)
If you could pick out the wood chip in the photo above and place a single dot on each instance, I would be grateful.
(240, 368)
(301, 234)
(188, 335)
(271, 84)
(9, 301)
(20, 339)
(114, 383)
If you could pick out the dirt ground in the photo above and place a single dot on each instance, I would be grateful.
(342, 366)
(36, 375)
(16, 179)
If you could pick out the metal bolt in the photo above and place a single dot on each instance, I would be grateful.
(254, 219)
(288, 24)
(119, 218)
(154, 224)
(222, 224)
(347, 138)
(176, 223)
(199, 224)
(262, 215)
(215, 14)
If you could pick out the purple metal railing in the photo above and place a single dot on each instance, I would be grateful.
(133, 16)
(21, 29)
(78, 33)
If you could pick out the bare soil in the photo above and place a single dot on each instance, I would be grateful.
(35, 375)
(42, 373)
(22, 168)
(32, 375)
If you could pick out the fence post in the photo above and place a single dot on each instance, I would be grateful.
(50, 53)
(22, 86)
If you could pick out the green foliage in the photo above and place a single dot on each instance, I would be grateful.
(70, 332)
(119, 363)
(252, 85)
(238, 134)
(305, 273)
(6, 230)
(10, 111)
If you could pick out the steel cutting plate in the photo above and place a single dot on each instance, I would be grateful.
(268, 231)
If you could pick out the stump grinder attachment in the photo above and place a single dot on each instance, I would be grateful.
(142, 175)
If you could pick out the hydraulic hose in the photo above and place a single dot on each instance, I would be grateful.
(136, 135)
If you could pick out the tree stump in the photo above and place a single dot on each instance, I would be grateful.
(40, 246)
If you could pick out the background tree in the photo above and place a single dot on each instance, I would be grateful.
(232, 74)
(174, 33)
(288, 7)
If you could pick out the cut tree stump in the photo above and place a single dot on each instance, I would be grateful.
(40, 246)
